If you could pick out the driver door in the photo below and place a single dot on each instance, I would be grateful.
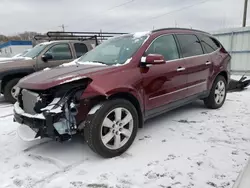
(61, 53)
(164, 83)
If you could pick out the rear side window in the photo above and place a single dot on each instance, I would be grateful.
(166, 46)
(209, 44)
(80, 49)
(190, 45)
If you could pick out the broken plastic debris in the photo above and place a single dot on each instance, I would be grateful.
(26, 133)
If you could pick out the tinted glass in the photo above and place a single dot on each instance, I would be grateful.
(209, 44)
(165, 46)
(190, 45)
(80, 49)
(60, 52)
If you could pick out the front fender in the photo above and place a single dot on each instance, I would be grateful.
(94, 90)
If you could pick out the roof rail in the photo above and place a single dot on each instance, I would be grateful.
(176, 28)
(41, 37)
(80, 36)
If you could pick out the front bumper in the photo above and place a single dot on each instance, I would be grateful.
(26, 133)
(42, 124)
(52, 118)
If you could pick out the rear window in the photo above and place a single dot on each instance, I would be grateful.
(190, 45)
(209, 44)
(80, 49)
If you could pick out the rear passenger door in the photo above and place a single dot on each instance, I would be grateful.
(80, 49)
(211, 47)
(197, 63)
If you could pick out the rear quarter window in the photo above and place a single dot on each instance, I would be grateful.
(209, 44)
(190, 45)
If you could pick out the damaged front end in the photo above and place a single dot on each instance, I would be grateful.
(51, 113)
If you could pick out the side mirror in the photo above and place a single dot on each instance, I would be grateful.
(46, 57)
(153, 59)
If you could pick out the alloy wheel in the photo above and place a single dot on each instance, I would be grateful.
(220, 92)
(13, 91)
(117, 128)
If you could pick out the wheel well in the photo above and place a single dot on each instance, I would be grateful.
(7, 78)
(224, 74)
(134, 101)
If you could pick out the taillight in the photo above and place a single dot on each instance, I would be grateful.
(223, 50)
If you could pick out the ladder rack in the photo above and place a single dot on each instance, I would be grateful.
(80, 36)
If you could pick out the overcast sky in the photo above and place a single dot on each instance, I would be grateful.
(118, 15)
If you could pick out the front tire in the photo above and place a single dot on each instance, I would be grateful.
(111, 130)
(217, 94)
(8, 90)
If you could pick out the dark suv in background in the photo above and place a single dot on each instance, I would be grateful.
(115, 87)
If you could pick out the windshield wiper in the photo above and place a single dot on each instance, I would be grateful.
(99, 62)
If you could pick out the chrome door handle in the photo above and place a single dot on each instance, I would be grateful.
(208, 63)
(181, 69)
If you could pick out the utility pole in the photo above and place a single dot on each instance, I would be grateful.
(245, 13)
(63, 27)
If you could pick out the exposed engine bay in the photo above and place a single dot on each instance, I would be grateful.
(52, 113)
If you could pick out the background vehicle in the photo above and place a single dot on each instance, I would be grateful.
(121, 83)
(62, 47)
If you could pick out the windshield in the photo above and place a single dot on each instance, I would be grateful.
(114, 51)
(34, 52)
(21, 54)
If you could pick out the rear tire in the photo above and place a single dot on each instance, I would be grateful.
(217, 94)
(8, 90)
(109, 134)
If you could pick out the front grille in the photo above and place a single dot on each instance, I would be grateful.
(29, 99)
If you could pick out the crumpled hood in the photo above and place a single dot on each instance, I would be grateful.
(46, 79)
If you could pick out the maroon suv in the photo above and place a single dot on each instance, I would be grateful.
(111, 90)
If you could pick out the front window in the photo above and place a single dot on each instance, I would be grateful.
(114, 51)
(60, 52)
(34, 52)
(166, 46)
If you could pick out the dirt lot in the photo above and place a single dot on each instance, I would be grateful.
(188, 147)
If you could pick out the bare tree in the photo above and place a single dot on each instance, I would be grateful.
(3, 38)
(27, 35)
